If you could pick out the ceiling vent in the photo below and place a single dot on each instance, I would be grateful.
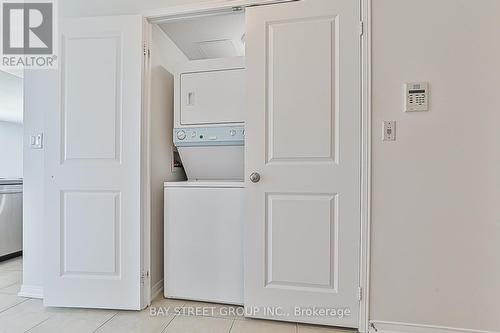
(218, 48)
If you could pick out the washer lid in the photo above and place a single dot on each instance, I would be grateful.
(204, 184)
(209, 136)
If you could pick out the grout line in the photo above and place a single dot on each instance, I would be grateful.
(105, 322)
(40, 323)
(209, 316)
(232, 324)
(11, 268)
(10, 285)
(173, 317)
(10, 307)
(181, 307)
(163, 330)
(195, 316)
(208, 304)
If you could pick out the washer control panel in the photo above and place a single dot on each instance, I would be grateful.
(209, 136)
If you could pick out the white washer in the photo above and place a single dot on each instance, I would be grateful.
(204, 241)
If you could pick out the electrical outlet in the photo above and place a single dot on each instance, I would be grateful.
(389, 130)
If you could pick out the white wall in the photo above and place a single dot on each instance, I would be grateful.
(165, 56)
(436, 221)
(37, 85)
(11, 96)
(11, 150)
(436, 190)
(11, 128)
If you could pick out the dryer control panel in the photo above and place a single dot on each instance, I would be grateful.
(209, 136)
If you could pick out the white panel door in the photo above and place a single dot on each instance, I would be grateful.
(93, 159)
(302, 227)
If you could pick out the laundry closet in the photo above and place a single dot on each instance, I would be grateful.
(203, 226)
(218, 154)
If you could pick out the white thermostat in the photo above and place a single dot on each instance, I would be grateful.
(417, 96)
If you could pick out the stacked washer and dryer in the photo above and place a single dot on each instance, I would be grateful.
(203, 224)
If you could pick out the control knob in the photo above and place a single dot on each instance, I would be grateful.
(181, 135)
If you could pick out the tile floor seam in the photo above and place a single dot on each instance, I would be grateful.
(175, 316)
(232, 324)
(181, 307)
(164, 328)
(14, 305)
(215, 317)
(40, 323)
(196, 316)
(105, 322)
(211, 316)
(10, 285)
(11, 270)
(236, 317)
(208, 316)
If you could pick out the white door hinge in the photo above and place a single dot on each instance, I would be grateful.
(360, 293)
(144, 276)
(146, 50)
(361, 28)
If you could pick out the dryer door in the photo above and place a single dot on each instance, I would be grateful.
(213, 97)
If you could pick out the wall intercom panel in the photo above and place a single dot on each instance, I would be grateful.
(416, 97)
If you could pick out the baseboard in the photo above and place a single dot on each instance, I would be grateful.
(157, 289)
(11, 255)
(31, 291)
(394, 327)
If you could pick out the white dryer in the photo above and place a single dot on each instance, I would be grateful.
(210, 92)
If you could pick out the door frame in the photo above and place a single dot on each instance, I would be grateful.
(366, 162)
(146, 213)
(215, 7)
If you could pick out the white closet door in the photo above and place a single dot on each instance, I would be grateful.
(302, 224)
(93, 159)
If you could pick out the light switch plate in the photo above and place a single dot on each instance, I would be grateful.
(416, 96)
(36, 141)
(389, 130)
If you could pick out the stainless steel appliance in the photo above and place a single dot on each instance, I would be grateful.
(11, 218)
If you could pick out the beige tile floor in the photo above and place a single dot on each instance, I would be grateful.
(18, 314)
